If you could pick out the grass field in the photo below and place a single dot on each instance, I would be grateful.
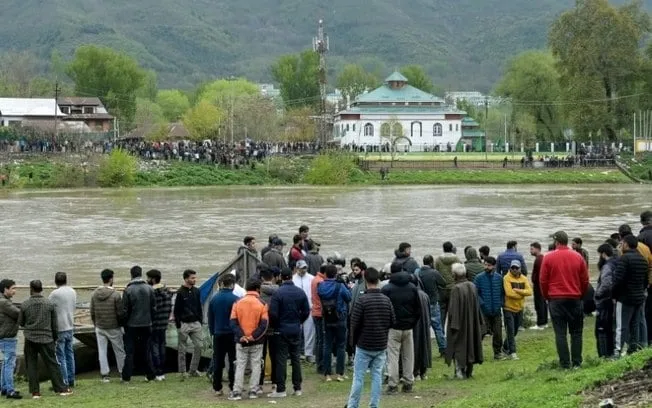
(533, 381)
(419, 156)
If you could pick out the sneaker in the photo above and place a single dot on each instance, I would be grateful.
(499, 357)
(253, 395)
(196, 374)
(310, 359)
(105, 379)
(407, 388)
(392, 390)
(65, 392)
(235, 396)
(537, 328)
(341, 378)
(298, 393)
(36, 395)
(14, 395)
(277, 395)
(513, 356)
(259, 390)
(219, 393)
(328, 378)
(159, 378)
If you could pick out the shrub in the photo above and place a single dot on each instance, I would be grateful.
(67, 176)
(118, 170)
(332, 168)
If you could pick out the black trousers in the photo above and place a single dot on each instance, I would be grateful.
(512, 323)
(157, 351)
(494, 325)
(137, 344)
(271, 348)
(223, 345)
(648, 315)
(567, 316)
(540, 305)
(604, 329)
(288, 346)
(48, 355)
(319, 344)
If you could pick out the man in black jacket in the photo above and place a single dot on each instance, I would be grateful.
(407, 308)
(433, 282)
(139, 307)
(630, 285)
(645, 235)
(188, 317)
(371, 319)
(404, 258)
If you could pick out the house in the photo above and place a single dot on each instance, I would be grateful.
(472, 135)
(399, 113)
(16, 110)
(89, 110)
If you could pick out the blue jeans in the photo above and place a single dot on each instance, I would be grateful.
(8, 350)
(374, 361)
(334, 336)
(66, 357)
(435, 322)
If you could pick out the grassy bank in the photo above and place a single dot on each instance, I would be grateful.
(533, 381)
(323, 170)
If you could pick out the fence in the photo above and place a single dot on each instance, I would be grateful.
(376, 165)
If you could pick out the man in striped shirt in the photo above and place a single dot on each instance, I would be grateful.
(371, 319)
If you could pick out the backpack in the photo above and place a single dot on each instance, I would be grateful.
(329, 312)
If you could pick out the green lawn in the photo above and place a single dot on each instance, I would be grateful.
(530, 382)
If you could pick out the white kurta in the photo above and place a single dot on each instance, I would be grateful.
(304, 282)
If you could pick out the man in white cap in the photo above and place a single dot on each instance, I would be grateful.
(303, 280)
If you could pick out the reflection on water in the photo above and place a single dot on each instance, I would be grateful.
(82, 232)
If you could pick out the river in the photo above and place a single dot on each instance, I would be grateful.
(84, 231)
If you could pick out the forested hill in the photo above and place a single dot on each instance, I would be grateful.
(463, 44)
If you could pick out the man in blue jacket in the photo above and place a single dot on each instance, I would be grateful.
(334, 297)
(288, 309)
(219, 324)
(505, 259)
(491, 296)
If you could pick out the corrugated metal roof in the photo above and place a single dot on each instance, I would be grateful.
(23, 107)
(80, 101)
(406, 93)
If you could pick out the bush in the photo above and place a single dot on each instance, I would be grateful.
(67, 176)
(286, 170)
(118, 170)
(332, 168)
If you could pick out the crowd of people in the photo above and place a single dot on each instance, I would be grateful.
(299, 305)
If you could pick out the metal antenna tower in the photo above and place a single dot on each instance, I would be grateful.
(320, 45)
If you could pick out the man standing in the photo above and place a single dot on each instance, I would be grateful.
(274, 257)
(313, 259)
(491, 295)
(645, 235)
(371, 319)
(157, 346)
(516, 288)
(433, 283)
(604, 321)
(317, 320)
(138, 309)
(334, 297)
(407, 308)
(288, 311)
(540, 304)
(444, 264)
(106, 314)
(630, 284)
(249, 322)
(404, 258)
(303, 280)
(38, 317)
(188, 318)
(564, 280)
(463, 332)
(8, 331)
(577, 247)
(505, 259)
(219, 325)
(64, 299)
(249, 246)
(268, 288)
(296, 252)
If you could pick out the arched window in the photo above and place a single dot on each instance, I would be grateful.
(384, 129)
(437, 129)
(368, 129)
(415, 129)
(397, 129)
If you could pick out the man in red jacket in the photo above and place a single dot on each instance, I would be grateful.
(564, 279)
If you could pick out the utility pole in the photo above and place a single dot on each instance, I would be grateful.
(320, 45)
(56, 111)
(486, 121)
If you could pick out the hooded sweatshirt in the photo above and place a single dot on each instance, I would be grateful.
(472, 264)
(408, 264)
(444, 264)
(404, 296)
(106, 308)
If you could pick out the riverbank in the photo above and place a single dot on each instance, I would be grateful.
(532, 381)
(324, 170)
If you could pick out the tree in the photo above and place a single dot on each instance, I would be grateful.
(532, 82)
(298, 125)
(149, 118)
(256, 118)
(417, 77)
(354, 80)
(298, 78)
(597, 48)
(112, 76)
(173, 103)
(149, 89)
(203, 121)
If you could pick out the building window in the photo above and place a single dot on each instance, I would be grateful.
(397, 130)
(450, 127)
(457, 127)
(415, 129)
(347, 127)
(89, 110)
(368, 129)
(384, 130)
(65, 109)
(437, 129)
(354, 127)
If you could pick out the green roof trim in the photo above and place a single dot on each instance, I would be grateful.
(396, 77)
(468, 121)
(402, 109)
(406, 93)
(472, 133)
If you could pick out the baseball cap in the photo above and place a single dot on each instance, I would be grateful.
(302, 265)
(286, 273)
(560, 236)
(516, 263)
(278, 241)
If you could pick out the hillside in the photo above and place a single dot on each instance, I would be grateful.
(462, 43)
